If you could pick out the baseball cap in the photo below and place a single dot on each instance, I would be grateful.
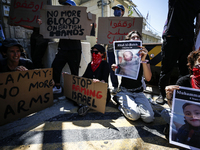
(70, 2)
(8, 42)
(99, 48)
(119, 6)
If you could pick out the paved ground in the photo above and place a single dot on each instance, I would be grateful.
(60, 128)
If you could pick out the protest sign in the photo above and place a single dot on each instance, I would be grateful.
(67, 22)
(116, 28)
(127, 58)
(25, 12)
(24, 92)
(185, 120)
(85, 91)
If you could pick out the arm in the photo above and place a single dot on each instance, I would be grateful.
(169, 93)
(146, 67)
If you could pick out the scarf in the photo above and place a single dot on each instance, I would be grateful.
(96, 60)
(195, 79)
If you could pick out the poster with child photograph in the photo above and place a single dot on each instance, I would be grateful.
(185, 119)
(127, 58)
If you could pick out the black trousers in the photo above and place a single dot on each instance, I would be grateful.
(174, 50)
(38, 48)
(72, 57)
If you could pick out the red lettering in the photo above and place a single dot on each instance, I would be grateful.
(98, 95)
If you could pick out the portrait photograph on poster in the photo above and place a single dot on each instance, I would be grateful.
(185, 120)
(127, 58)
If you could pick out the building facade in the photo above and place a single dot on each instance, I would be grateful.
(102, 8)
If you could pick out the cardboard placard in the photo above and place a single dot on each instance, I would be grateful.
(116, 28)
(185, 118)
(25, 12)
(24, 92)
(85, 91)
(67, 22)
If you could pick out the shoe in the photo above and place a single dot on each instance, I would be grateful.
(114, 91)
(57, 90)
(82, 111)
(160, 100)
(115, 101)
(166, 131)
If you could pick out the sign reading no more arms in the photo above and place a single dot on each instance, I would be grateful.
(24, 92)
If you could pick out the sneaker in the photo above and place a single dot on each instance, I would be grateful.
(160, 100)
(114, 91)
(82, 111)
(57, 89)
(166, 131)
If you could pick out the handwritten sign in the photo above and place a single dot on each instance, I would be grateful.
(84, 91)
(66, 22)
(24, 92)
(25, 12)
(116, 28)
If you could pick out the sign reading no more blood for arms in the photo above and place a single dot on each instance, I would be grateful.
(67, 22)
(116, 28)
(24, 92)
(85, 91)
(25, 12)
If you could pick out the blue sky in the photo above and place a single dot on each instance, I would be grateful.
(157, 12)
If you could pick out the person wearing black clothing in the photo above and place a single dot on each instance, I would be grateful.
(130, 99)
(38, 47)
(69, 51)
(178, 40)
(12, 50)
(118, 12)
(191, 80)
(98, 70)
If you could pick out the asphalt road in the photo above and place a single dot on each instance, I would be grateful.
(60, 128)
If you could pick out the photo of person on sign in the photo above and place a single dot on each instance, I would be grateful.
(129, 64)
(189, 132)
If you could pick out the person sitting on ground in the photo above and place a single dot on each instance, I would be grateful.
(98, 70)
(130, 99)
(13, 61)
(189, 133)
(191, 80)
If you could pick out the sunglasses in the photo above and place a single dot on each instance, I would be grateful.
(96, 52)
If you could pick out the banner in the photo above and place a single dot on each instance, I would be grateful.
(24, 92)
(185, 120)
(67, 22)
(116, 28)
(25, 12)
(85, 91)
(127, 58)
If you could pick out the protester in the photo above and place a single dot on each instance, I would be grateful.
(2, 37)
(69, 51)
(178, 40)
(191, 80)
(38, 47)
(130, 99)
(118, 12)
(12, 49)
(98, 70)
(189, 133)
